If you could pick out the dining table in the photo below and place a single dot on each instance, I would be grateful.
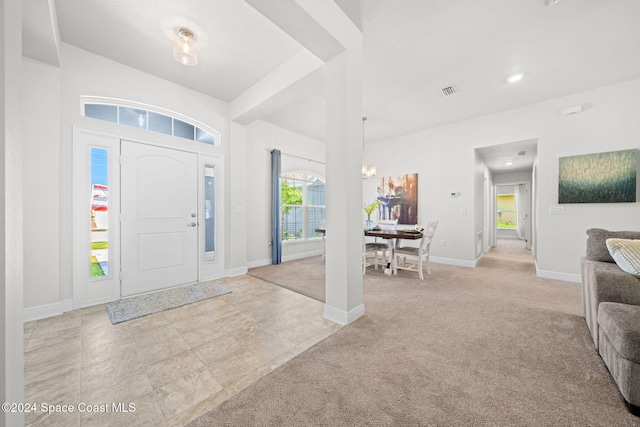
(394, 236)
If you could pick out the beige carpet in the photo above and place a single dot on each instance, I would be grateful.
(490, 346)
(308, 279)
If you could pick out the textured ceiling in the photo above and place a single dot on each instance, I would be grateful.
(412, 49)
(237, 45)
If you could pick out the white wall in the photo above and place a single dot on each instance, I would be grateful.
(41, 131)
(500, 178)
(444, 162)
(262, 137)
(444, 158)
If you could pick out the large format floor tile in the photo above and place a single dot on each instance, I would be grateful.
(166, 368)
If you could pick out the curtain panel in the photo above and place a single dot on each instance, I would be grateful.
(276, 226)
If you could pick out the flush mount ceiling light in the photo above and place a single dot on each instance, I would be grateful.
(508, 163)
(185, 50)
(516, 77)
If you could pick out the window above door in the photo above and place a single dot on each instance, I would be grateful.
(149, 118)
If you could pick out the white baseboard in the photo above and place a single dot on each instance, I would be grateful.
(453, 261)
(342, 317)
(567, 277)
(259, 263)
(477, 260)
(301, 255)
(238, 271)
(285, 258)
(47, 310)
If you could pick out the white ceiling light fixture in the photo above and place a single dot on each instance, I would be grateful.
(185, 50)
(515, 77)
(367, 171)
(508, 163)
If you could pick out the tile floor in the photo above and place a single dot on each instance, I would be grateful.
(172, 365)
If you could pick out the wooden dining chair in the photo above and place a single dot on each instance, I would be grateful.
(417, 256)
(378, 246)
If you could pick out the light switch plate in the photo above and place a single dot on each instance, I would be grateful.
(556, 210)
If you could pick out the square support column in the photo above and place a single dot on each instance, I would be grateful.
(11, 240)
(344, 302)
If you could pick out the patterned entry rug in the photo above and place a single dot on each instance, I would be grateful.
(143, 305)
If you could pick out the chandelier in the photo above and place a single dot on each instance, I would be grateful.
(367, 171)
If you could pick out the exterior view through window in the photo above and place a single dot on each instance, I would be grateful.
(209, 210)
(99, 213)
(302, 205)
(506, 211)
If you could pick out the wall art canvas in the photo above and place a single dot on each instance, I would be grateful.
(598, 178)
(398, 197)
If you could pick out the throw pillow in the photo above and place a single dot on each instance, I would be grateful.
(596, 242)
(626, 253)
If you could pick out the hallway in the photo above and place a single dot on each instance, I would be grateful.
(509, 254)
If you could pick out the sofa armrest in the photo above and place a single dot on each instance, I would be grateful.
(605, 282)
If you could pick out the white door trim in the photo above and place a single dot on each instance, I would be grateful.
(82, 141)
(87, 291)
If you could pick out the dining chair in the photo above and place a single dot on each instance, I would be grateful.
(418, 255)
(322, 225)
(379, 246)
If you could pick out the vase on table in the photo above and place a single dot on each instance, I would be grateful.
(368, 224)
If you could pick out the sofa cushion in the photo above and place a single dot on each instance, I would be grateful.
(621, 324)
(597, 242)
(626, 253)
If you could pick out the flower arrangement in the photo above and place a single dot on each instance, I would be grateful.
(368, 209)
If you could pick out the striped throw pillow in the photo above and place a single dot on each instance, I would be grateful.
(626, 253)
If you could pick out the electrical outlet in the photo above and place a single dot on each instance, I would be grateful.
(443, 243)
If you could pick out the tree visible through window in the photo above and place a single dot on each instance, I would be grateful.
(506, 211)
(302, 205)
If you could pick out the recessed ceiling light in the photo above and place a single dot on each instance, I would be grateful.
(516, 77)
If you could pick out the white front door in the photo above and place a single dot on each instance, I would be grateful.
(159, 224)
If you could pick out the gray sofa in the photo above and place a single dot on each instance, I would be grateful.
(611, 307)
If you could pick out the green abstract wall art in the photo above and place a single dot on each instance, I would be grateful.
(599, 178)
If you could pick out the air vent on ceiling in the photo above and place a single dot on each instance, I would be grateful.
(449, 90)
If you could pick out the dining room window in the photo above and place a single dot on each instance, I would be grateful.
(303, 205)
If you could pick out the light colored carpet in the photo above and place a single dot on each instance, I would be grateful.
(308, 279)
(143, 305)
(490, 346)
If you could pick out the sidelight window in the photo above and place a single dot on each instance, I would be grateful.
(99, 213)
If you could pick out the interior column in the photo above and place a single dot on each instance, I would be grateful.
(11, 241)
(344, 302)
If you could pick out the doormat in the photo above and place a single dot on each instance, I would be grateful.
(143, 305)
